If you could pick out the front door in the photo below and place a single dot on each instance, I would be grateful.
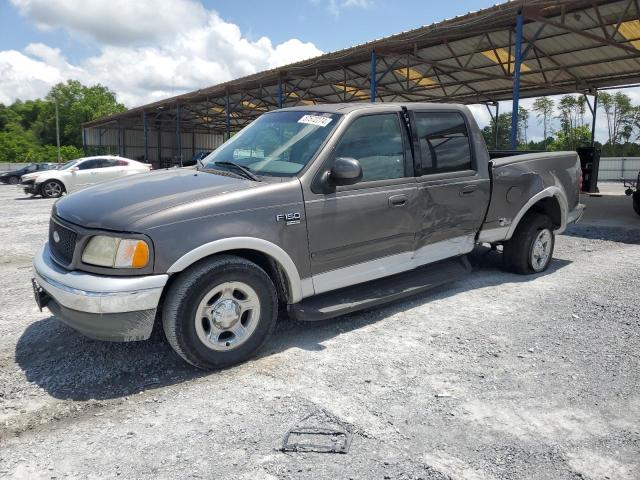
(453, 195)
(367, 230)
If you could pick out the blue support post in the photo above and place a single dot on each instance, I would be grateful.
(84, 141)
(280, 99)
(178, 134)
(146, 137)
(516, 83)
(374, 72)
(228, 113)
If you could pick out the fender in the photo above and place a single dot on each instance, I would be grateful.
(298, 288)
(552, 191)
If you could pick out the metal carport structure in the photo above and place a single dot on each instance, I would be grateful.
(509, 51)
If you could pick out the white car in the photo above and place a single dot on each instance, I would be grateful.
(81, 173)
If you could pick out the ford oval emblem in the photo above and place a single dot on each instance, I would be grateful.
(56, 237)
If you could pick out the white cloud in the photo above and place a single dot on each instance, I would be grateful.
(336, 6)
(115, 22)
(182, 59)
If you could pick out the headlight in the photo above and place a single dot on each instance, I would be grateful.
(114, 252)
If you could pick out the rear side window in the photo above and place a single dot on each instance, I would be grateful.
(376, 142)
(444, 142)
(122, 163)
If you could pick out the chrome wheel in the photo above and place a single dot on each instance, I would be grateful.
(541, 250)
(52, 189)
(227, 316)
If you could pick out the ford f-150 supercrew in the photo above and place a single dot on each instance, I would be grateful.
(325, 209)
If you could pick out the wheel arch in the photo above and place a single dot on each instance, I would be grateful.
(269, 256)
(552, 202)
(57, 179)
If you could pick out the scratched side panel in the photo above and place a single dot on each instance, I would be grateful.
(515, 183)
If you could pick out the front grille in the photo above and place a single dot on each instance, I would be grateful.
(63, 244)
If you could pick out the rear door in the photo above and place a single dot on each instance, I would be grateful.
(365, 231)
(452, 194)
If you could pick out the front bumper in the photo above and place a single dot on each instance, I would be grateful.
(29, 188)
(98, 306)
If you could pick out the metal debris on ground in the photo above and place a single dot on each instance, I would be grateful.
(319, 432)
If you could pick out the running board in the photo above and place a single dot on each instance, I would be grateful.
(378, 292)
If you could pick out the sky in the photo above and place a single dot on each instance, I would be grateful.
(146, 50)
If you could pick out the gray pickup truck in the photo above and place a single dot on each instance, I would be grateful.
(325, 209)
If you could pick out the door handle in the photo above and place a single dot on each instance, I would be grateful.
(398, 200)
(468, 190)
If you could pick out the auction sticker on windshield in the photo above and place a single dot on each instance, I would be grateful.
(315, 120)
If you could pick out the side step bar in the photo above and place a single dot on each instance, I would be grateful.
(378, 292)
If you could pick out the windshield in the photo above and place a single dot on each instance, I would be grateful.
(276, 144)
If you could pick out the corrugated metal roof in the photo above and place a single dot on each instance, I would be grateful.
(571, 46)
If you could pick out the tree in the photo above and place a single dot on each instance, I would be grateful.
(544, 110)
(504, 132)
(28, 129)
(621, 116)
(76, 104)
(523, 125)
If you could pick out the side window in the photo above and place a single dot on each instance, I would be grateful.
(376, 142)
(444, 142)
(106, 162)
(121, 163)
(89, 164)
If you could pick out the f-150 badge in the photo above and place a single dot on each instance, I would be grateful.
(292, 218)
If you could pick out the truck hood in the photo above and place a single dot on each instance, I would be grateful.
(118, 204)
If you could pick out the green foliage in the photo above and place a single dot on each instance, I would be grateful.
(504, 133)
(28, 129)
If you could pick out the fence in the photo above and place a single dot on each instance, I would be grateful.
(7, 167)
(618, 168)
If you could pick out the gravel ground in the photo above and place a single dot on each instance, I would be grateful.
(496, 376)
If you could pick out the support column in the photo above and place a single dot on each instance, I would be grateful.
(84, 142)
(124, 142)
(178, 134)
(280, 99)
(372, 82)
(228, 114)
(146, 137)
(595, 115)
(516, 82)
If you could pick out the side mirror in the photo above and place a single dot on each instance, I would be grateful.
(74, 169)
(345, 171)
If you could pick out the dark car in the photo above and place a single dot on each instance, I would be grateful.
(13, 177)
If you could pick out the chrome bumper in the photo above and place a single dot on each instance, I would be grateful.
(91, 293)
(106, 308)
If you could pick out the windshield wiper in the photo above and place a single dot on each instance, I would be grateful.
(245, 171)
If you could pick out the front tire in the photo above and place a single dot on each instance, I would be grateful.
(52, 189)
(530, 250)
(220, 312)
(13, 180)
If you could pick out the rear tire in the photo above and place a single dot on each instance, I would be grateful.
(52, 189)
(220, 312)
(636, 202)
(530, 249)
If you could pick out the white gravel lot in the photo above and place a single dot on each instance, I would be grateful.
(496, 376)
